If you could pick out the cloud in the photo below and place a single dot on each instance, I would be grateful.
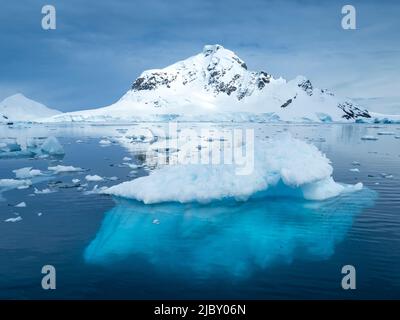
(100, 47)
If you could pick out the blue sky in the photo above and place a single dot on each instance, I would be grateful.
(100, 47)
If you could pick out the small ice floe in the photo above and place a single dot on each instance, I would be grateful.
(39, 214)
(132, 165)
(79, 141)
(386, 133)
(44, 191)
(354, 170)
(112, 178)
(386, 176)
(372, 138)
(21, 205)
(76, 181)
(16, 219)
(26, 173)
(156, 221)
(126, 159)
(93, 178)
(13, 184)
(356, 163)
(95, 190)
(23, 187)
(61, 169)
(104, 142)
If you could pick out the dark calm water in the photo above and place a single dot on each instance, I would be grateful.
(273, 248)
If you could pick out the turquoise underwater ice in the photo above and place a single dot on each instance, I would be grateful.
(225, 237)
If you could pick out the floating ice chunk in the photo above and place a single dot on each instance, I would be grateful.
(105, 142)
(131, 165)
(354, 170)
(372, 138)
(93, 178)
(386, 133)
(356, 163)
(126, 159)
(12, 183)
(61, 169)
(283, 167)
(27, 172)
(21, 205)
(52, 146)
(39, 214)
(44, 191)
(113, 178)
(156, 221)
(76, 181)
(387, 176)
(95, 190)
(19, 218)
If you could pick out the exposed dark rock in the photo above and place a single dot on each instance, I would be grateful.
(306, 86)
(288, 102)
(353, 112)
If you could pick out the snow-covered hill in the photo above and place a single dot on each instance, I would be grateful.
(19, 108)
(215, 85)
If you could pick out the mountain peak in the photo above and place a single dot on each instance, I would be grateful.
(211, 48)
(18, 107)
(215, 69)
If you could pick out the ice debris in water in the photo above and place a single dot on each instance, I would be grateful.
(354, 170)
(95, 190)
(19, 218)
(93, 178)
(27, 172)
(386, 133)
(61, 169)
(372, 138)
(12, 183)
(44, 191)
(21, 205)
(282, 167)
(76, 181)
(104, 142)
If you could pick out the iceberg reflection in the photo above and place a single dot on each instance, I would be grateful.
(226, 237)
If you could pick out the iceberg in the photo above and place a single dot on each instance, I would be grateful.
(284, 166)
(52, 146)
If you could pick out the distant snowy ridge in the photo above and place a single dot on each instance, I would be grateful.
(19, 108)
(215, 85)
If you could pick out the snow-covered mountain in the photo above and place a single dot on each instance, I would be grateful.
(19, 108)
(215, 85)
